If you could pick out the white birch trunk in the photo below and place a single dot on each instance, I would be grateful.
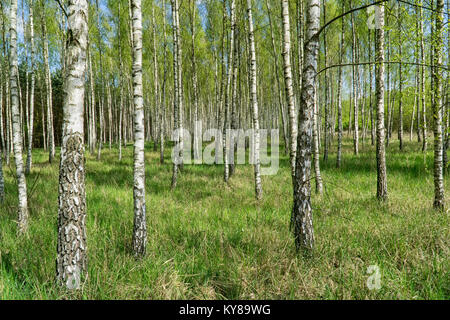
(140, 224)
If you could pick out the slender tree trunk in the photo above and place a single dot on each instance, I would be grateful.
(438, 107)
(101, 99)
(17, 132)
(31, 112)
(355, 94)
(302, 214)
(326, 96)
(280, 100)
(177, 107)
(163, 104)
(196, 142)
(316, 141)
(48, 85)
(254, 102)
(339, 97)
(447, 104)
(140, 224)
(400, 84)
(382, 191)
(422, 81)
(121, 84)
(290, 102)
(157, 98)
(227, 122)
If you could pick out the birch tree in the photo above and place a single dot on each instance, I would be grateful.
(382, 191)
(31, 110)
(140, 224)
(339, 97)
(71, 261)
(438, 106)
(254, 102)
(302, 214)
(288, 84)
(16, 121)
(48, 86)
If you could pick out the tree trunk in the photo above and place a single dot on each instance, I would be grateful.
(288, 85)
(382, 192)
(121, 84)
(422, 81)
(71, 262)
(280, 101)
(400, 84)
(140, 224)
(326, 95)
(339, 97)
(302, 214)
(355, 94)
(438, 107)
(163, 103)
(254, 102)
(177, 101)
(227, 122)
(17, 132)
(31, 110)
(48, 85)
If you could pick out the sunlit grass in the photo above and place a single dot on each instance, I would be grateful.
(208, 240)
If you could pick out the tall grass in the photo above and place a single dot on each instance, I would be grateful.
(208, 240)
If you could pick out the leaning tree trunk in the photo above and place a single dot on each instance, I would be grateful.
(302, 214)
(382, 192)
(140, 225)
(288, 84)
(438, 107)
(31, 112)
(254, 102)
(17, 132)
(71, 262)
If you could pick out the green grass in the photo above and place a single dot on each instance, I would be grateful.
(207, 240)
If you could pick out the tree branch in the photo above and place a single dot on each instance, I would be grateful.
(62, 8)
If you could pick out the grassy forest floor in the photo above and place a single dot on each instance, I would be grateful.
(207, 240)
